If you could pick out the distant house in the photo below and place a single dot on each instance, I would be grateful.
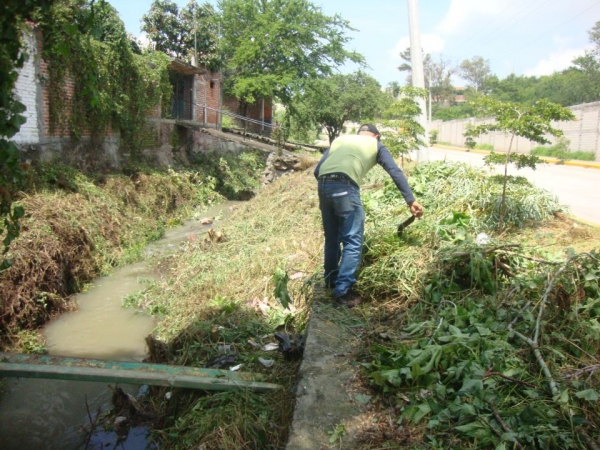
(196, 98)
(459, 95)
(196, 94)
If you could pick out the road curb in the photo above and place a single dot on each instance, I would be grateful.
(584, 164)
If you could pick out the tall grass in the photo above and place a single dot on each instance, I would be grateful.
(221, 291)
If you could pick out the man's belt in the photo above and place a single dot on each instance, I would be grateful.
(334, 176)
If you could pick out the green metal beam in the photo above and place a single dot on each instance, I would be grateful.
(78, 369)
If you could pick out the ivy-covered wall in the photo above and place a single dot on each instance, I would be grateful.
(54, 131)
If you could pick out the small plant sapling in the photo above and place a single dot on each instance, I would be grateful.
(532, 122)
(403, 132)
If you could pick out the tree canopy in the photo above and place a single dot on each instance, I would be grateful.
(272, 47)
(332, 101)
(476, 71)
(183, 33)
(577, 84)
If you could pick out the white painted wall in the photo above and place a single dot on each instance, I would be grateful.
(26, 90)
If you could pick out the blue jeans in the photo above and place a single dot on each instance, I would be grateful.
(344, 223)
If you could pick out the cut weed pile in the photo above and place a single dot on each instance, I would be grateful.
(222, 303)
(477, 340)
(77, 226)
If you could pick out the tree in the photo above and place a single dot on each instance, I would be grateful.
(589, 67)
(402, 130)
(595, 37)
(439, 74)
(532, 122)
(393, 88)
(406, 66)
(332, 101)
(13, 14)
(163, 28)
(476, 71)
(183, 33)
(272, 47)
(200, 33)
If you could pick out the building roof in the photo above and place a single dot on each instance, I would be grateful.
(180, 66)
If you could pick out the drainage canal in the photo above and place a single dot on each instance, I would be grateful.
(53, 414)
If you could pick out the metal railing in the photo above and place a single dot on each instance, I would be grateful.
(183, 110)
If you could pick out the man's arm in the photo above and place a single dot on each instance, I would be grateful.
(385, 160)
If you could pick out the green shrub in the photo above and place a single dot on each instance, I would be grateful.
(484, 147)
(433, 135)
(579, 155)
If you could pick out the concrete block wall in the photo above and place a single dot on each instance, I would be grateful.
(583, 133)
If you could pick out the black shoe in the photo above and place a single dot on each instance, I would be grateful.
(350, 299)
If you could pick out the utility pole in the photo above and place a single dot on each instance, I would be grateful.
(418, 77)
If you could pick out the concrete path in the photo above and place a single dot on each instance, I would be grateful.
(327, 389)
(576, 184)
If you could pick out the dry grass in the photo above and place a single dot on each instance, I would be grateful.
(279, 228)
(70, 236)
(220, 291)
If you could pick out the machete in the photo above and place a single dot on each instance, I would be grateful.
(404, 224)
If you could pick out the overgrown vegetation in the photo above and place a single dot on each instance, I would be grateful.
(13, 15)
(437, 348)
(490, 342)
(532, 122)
(77, 226)
(229, 291)
(113, 88)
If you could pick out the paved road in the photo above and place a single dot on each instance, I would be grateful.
(576, 187)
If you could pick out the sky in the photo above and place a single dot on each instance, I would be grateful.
(524, 37)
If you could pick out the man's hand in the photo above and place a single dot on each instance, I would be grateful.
(416, 209)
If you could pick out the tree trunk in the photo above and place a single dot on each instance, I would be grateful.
(503, 198)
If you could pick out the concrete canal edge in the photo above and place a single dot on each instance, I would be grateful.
(324, 397)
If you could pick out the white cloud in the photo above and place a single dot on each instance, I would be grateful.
(555, 62)
(431, 43)
(461, 13)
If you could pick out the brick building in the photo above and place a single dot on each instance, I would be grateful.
(196, 98)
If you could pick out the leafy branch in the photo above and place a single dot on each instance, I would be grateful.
(531, 122)
(534, 343)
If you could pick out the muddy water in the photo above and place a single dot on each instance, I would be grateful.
(50, 414)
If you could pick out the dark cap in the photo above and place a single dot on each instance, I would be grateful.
(369, 127)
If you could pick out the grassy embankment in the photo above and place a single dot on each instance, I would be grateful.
(78, 226)
(464, 343)
(456, 335)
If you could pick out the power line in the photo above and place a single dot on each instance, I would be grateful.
(560, 26)
(510, 23)
(470, 38)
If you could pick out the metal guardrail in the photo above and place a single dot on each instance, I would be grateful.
(183, 110)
